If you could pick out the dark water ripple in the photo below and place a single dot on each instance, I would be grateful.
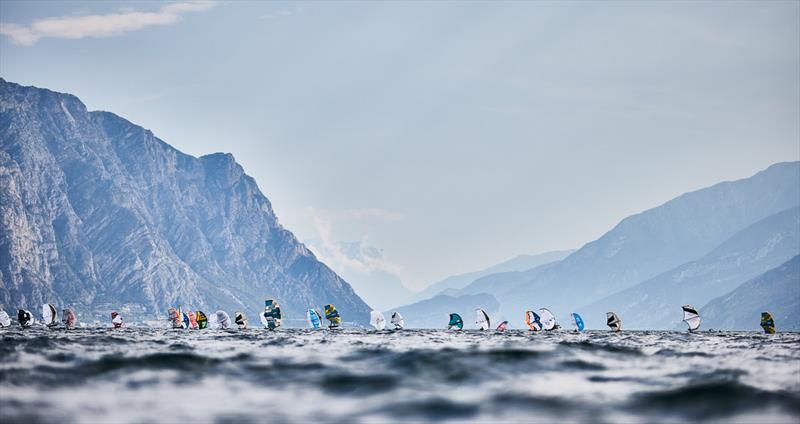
(147, 375)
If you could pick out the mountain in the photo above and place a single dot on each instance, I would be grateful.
(518, 263)
(502, 283)
(776, 291)
(99, 214)
(655, 304)
(435, 312)
(654, 241)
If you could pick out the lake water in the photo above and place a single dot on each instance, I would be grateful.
(154, 375)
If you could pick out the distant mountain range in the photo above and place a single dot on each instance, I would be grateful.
(776, 291)
(682, 239)
(98, 214)
(655, 303)
(453, 284)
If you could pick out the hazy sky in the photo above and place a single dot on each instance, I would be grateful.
(449, 135)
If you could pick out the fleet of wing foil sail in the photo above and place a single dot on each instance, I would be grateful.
(691, 317)
(271, 318)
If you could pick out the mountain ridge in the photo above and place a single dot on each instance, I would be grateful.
(518, 263)
(654, 303)
(99, 212)
(646, 244)
(776, 291)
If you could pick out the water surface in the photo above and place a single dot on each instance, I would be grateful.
(153, 375)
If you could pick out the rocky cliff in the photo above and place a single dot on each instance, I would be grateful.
(97, 213)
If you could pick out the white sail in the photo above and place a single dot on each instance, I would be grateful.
(213, 323)
(691, 317)
(223, 320)
(5, 320)
(548, 319)
(398, 321)
(49, 315)
(377, 320)
(482, 319)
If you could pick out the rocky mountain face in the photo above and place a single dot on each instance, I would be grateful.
(655, 303)
(777, 291)
(99, 214)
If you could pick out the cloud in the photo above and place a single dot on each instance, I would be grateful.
(283, 12)
(96, 26)
(358, 256)
(363, 213)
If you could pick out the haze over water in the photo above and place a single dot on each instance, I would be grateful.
(153, 375)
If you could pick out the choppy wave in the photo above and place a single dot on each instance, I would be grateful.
(137, 375)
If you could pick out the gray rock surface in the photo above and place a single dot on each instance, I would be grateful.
(99, 214)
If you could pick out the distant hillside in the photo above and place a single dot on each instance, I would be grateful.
(647, 244)
(435, 312)
(655, 304)
(519, 263)
(502, 284)
(776, 291)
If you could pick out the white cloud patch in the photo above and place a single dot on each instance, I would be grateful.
(282, 12)
(96, 26)
(360, 256)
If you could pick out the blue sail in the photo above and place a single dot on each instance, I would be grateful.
(577, 321)
(313, 319)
